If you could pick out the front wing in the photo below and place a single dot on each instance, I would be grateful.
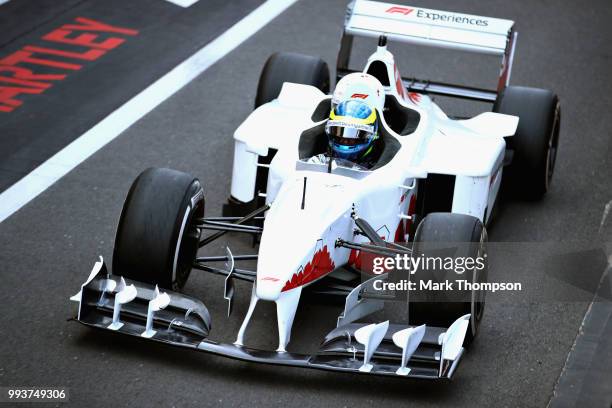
(111, 303)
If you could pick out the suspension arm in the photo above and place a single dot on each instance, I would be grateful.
(242, 274)
(240, 221)
(374, 249)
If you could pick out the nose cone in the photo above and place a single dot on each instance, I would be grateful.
(317, 264)
(280, 260)
(269, 288)
(297, 244)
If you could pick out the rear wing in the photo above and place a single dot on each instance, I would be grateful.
(421, 26)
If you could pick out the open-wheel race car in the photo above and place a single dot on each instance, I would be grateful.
(322, 225)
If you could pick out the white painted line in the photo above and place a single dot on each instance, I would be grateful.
(41, 178)
(182, 3)
(605, 215)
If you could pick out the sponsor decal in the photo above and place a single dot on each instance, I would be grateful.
(439, 16)
(398, 9)
(320, 265)
(35, 68)
(270, 278)
(359, 96)
(351, 125)
(451, 18)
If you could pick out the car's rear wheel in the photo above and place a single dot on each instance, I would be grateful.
(534, 146)
(444, 236)
(284, 67)
(157, 238)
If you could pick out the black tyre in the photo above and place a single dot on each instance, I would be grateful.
(157, 240)
(534, 146)
(456, 236)
(284, 67)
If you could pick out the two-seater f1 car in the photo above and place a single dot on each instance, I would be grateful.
(432, 191)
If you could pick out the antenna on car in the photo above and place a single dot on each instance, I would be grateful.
(382, 40)
(304, 194)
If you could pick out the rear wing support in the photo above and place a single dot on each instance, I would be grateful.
(420, 26)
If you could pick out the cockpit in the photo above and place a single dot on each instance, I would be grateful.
(338, 166)
(399, 120)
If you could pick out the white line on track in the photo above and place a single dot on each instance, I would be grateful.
(6, 1)
(182, 3)
(41, 178)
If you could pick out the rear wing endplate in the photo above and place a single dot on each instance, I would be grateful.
(421, 26)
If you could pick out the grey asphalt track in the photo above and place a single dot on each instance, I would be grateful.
(49, 246)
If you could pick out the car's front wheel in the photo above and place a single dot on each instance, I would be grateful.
(441, 240)
(157, 236)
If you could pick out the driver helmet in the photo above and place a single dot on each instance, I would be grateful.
(362, 86)
(352, 128)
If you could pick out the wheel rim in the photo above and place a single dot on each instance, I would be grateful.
(551, 154)
(187, 249)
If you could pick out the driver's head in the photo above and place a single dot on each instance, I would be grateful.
(353, 125)
(352, 128)
(360, 85)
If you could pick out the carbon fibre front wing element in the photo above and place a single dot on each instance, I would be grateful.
(137, 309)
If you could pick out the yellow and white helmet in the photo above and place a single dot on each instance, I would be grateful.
(361, 86)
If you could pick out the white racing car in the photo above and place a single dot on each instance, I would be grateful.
(321, 226)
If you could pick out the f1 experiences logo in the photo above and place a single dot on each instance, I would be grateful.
(437, 16)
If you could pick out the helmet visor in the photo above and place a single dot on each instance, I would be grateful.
(349, 134)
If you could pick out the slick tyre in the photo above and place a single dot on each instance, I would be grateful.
(456, 236)
(534, 146)
(284, 67)
(157, 238)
